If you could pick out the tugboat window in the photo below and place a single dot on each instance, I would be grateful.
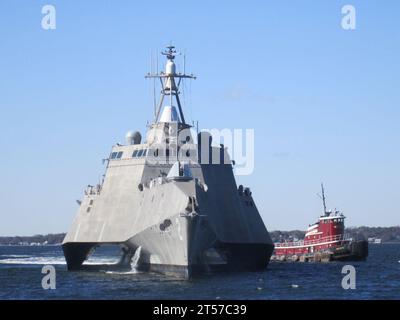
(144, 152)
(114, 155)
(119, 155)
(140, 153)
(135, 153)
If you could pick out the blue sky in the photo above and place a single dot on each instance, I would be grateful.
(324, 102)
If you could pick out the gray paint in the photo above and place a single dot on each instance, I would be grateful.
(137, 206)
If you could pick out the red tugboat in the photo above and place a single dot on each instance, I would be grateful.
(324, 241)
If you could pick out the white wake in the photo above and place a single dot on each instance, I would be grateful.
(57, 260)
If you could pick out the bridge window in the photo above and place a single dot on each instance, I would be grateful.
(140, 153)
(116, 155)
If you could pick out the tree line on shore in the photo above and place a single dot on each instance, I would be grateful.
(386, 234)
(39, 239)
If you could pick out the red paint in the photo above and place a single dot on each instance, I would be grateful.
(328, 232)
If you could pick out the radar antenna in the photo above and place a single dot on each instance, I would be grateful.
(169, 87)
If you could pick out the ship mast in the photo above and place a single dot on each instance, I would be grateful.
(169, 87)
(324, 199)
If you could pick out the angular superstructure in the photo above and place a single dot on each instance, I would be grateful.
(172, 198)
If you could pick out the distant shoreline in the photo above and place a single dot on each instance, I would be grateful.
(384, 234)
(35, 240)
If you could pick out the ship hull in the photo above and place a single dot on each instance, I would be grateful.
(186, 246)
(242, 257)
(344, 251)
(251, 260)
(353, 251)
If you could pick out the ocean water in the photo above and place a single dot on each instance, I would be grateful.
(21, 277)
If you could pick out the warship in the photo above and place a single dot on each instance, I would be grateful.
(170, 203)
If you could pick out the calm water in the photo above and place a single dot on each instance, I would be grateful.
(20, 278)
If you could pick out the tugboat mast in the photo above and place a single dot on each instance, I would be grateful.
(169, 87)
(324, 200)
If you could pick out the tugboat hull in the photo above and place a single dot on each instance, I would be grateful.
(353, 251)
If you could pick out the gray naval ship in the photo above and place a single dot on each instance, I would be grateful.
(171, 203)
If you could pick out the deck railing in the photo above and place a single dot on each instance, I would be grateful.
(339, 237)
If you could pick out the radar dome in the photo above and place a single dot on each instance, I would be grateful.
(133, 137)
(170, 68)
